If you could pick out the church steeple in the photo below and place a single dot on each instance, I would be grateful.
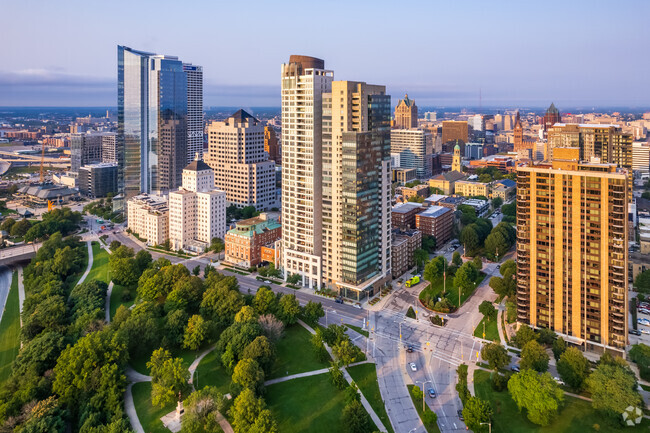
(455, 163)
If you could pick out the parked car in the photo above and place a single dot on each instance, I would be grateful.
(409, 348)
(515, 368)
(645, 331)
(339, 300)
(635, 332)
(413, 366)
(558, 380)
(432, 393)
(460, 415)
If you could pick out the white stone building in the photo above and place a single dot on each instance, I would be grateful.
(148, 217)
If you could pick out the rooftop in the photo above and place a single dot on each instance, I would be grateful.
(435, 211)
(406, 207)
(254, 226)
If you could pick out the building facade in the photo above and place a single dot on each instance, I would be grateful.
(152, 116)
(97, 180)
(436, 221)
(194, 75)
(572, 251)
(456, 132)
(109, 148)
(272, 145)
(412, 146)
(641, 158)
(402, 246)
(551, 117)
(148, 217)
(241, 165)
(403, 215)
(468, 188)
(85, 149)
(244, 243)
(406, 114)
(197, 211)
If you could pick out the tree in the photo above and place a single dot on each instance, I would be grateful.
(246, 315)
(534, 356)
(336, 376)
(168, 378)
(416, 199)
(355, 418)
(20, 228)
(463, 278)
(143, 260)
(539, 394)
(201, 409)
(294, 279)
(346, 352)
(429, 243)
(7, 224)
(613, 388)
(524, 335)
(573, 368)
(487, 310)
(496, 355)
(420, 257)
(271, 326)
(546, 336)
(497, 202)
(114, 245)
(124, 270)
(312, 312)
(477, 263)
(261, 350)
(248, 374)
(265, 301)
(195, 333)
(469, 238)
(217, 245)
(249, 414)
(642, 282)
(509, 209)
(435, 268)
(496, 244)
(289, 309)
(558, 348)
(47, 416)
(476, 412)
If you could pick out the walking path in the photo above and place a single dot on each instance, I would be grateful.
(129, 407)
(21, 293)
(90, 263)
(197, 361)
(348, 378)
(107, 307)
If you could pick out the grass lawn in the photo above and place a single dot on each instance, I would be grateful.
(576, 415)
(149, 416)
(100, 268)
(365, 376)
(491, 330)
(295, 354)
(116, 298)
(10, 331)
(309, 404)
(75, 278)
(431, 428)
(211, 373)
(359, 330)
(436, 288)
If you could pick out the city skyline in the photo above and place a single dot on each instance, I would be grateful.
(521, 63)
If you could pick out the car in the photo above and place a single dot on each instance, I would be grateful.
(267, 281)
(645, 331)
(498, 266)
(460, 415)
(413, 366)
(357, 306)
(515, 368)
(635, 332)
(558, 380)
(432, 393)
(339, 300)
(409, 348)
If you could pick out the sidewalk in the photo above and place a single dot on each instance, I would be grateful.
(90, 263)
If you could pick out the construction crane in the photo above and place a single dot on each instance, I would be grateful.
(42, 180)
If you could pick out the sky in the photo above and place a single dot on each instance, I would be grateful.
(442, 53)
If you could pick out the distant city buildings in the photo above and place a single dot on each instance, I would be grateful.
(406, 114)
(241, 165)
(454, 132)
(194, 76)
(412, 146)
(272, 145)
(197, 210)
(551, 117)
(572, 250)
(641, 158)
(87, 148)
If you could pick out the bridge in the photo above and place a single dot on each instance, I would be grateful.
(20, 253)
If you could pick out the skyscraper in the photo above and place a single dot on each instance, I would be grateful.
(194, 76)
(152, 121)
(303, 81)
(572, 250)
(551, 117)
(356, 213)
(271, 145)
(241, 166)
(406, 114)
(413, 146)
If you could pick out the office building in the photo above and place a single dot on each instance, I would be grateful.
(431, 116)
(109, 148)
(148, 217)
(436, 221)
(551, 117)
(468, 188)
(197, 211)
(413, 146)
(454, 132)
(356, 189)
(304, 80)
(245, 242)
(85, 148)
(402, 246)
(572, 251)
(152, 116)
(474, 150)
(194, 75)
(641, 158)
(271, 145)
(241, 166)
(98, 180)
(406, 114)
(404, 175)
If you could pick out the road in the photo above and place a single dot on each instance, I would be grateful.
(5, 285)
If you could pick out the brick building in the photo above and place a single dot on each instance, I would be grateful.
(244, 243)
(403, 215)
(403, 245)
(436, 221)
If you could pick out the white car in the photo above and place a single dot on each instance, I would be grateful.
(645, 331)
(558, 380)
(413, 366)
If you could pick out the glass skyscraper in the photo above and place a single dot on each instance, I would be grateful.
(152, 121)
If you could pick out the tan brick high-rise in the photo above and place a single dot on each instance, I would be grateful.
(572, 250)
(406, 114)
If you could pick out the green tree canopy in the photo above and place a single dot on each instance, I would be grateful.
(476, 412)
(573, 368)
(486, 308)
(613, 388)
(538, 393)
(248, 375)
(496, 355)
(168, 378)
(534, 356)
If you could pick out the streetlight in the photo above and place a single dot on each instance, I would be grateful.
(489, 424)
(423, 392)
